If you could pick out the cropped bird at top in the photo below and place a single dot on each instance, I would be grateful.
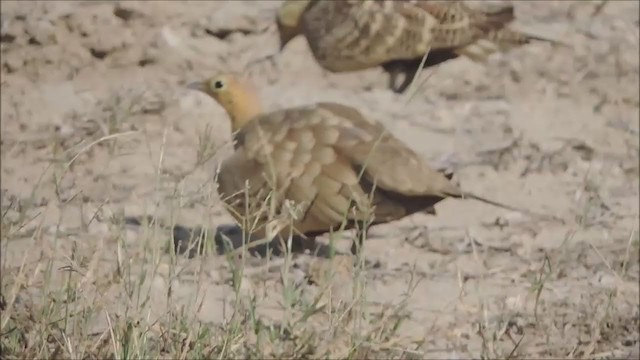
(342, 169)
(351, 35)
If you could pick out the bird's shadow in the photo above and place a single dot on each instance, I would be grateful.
(409, 68)
(193, 241)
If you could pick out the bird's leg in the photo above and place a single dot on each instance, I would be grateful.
(396, 69)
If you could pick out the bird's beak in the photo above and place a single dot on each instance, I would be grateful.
(196, 85)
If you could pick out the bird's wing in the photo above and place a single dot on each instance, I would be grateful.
(323, 156)
(353, 35)
(459, 25)
(475, 32)
(294, 150)
(383, 158)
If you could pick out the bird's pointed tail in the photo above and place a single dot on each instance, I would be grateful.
(549, 217)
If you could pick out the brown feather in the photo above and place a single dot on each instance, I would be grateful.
(339, 167)
(352, 35)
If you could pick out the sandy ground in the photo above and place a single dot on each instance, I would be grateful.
(97, 129)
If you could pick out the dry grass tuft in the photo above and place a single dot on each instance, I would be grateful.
(114, 243)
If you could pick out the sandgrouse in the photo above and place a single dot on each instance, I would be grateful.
(351, 35)
(340, 169)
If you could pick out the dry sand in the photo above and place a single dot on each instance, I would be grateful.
(98, 129)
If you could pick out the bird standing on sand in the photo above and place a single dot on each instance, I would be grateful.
(351, 35)
(343, 170)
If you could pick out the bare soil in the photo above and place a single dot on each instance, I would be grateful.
(99, 134)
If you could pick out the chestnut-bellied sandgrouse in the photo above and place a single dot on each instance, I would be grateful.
(334, 167)
(349, 35)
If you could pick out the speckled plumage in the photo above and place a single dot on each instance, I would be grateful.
(340, 168)
(314, 154)
(351, 35)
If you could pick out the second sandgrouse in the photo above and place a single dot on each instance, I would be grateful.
(351, 35)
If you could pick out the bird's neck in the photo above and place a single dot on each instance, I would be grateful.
(242, 117)
(244, 111)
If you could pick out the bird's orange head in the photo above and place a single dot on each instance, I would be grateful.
(238, 98)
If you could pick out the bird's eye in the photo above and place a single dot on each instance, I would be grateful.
(218, 84)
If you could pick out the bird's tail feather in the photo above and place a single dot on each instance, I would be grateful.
(512, 208)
